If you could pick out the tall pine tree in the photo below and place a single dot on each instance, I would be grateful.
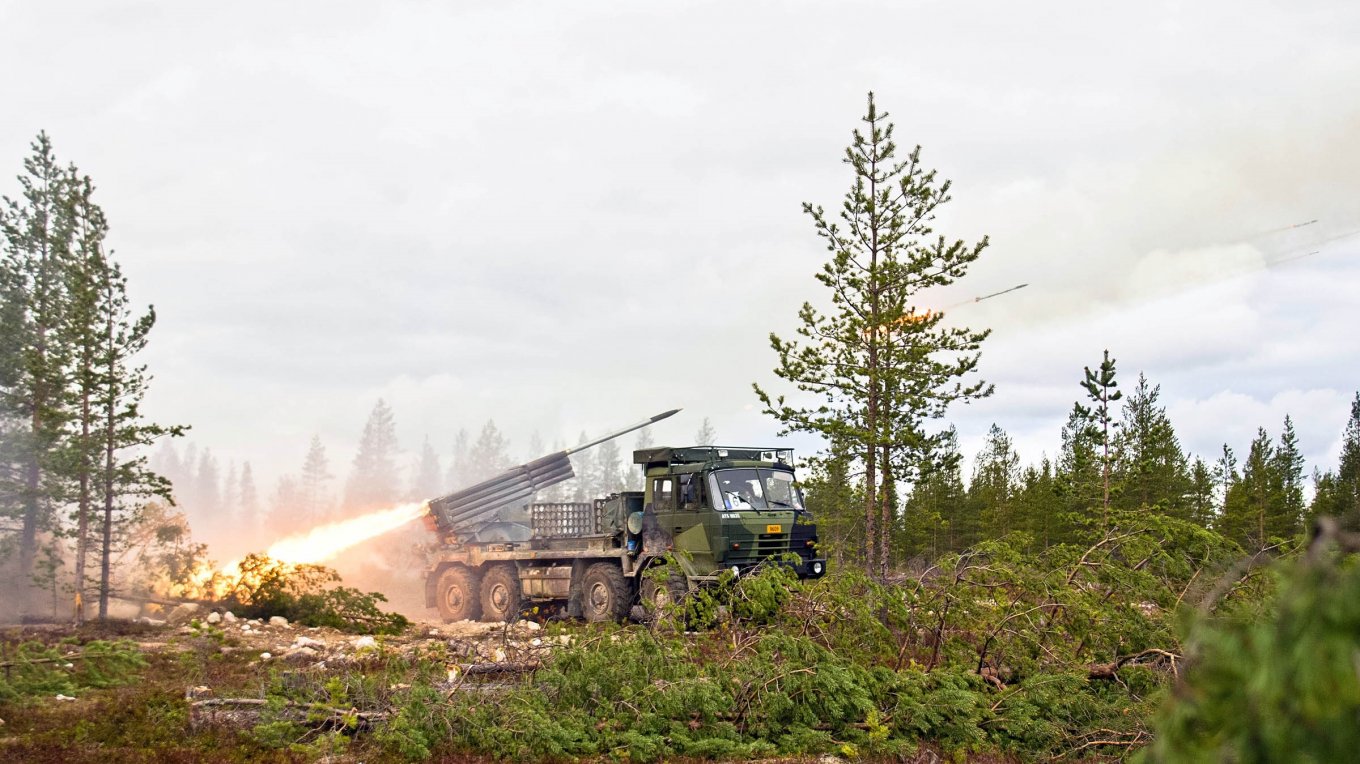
(874, 369)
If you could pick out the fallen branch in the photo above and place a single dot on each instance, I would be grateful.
(505, 667)
(247, 712)
(1110, 670)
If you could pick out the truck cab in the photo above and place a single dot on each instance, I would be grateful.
(726, 508)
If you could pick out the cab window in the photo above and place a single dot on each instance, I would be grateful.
(663, 494)
(689, 491)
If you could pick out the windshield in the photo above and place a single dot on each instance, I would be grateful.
(753, 489)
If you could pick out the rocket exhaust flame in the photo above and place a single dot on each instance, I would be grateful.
(322, 543)
(327, 541)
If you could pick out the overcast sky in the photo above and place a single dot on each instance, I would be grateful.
(569, 216)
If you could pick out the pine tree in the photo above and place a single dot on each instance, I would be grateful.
(37, 229)
(1100, 388)
(706, 435)
(126, 482)
(373, 480)
(1150, 468)
(207, 501)
(314, 499)
(875, 369)
(585, 487)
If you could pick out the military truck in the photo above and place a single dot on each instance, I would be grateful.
(703, 510)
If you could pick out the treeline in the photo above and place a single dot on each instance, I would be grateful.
(73, 481)
(1117, 454)
(220, 500)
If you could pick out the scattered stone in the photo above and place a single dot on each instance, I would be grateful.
(201, 691)
(182, 613)
(64, 697)
(535, 641)
(364, 643)
(278, 620)
(150, 621)
(214, 617)
(531, 625)
(309, 642)
(301, 655)
(499, 655)
(265, 656)
(229, 617)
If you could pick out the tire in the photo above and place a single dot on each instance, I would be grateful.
(455, 594)
(501, 594)
(663, 601)
(605, 594)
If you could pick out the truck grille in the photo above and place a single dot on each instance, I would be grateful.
(755, 548)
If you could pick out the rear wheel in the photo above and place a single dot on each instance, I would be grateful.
(605, 594)
(501, 594)
(455, 594)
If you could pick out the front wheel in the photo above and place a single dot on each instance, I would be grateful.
(605, 594)
(663, 594)
(456, 594)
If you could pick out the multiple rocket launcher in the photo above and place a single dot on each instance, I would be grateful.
(472, 506)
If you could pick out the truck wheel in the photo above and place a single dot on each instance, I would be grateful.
(605, 594)
(501, 594)
(662, 600)
(455, 593)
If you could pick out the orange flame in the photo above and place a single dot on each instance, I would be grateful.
(322, 543)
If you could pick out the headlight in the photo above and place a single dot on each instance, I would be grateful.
(736, 571)
(816, 568)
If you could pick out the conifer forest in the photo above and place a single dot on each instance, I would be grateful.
(275, 501)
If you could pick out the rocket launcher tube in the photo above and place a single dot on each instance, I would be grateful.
(477, 503)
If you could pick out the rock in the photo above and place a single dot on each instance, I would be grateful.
(365, 642)
(229, 617)
(278, 620)
(309, 642)
(182, 613)
(531, 625)
(301, 655)
(201, 691)
(150, 621)
(64, 697)
(265, 656)
(214, 617)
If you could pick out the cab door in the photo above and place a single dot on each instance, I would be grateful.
(680, 511)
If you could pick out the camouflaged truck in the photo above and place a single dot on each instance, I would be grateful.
(703, 510)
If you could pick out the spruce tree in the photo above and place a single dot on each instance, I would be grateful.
(425, 483)
(995, 483)
(249, 499)
(373, 480)
(313, 492)
(1337, 494)
(1287, 515)
(1079, 481)
(633, 477)
(1150, 468)
(609, 463)
(1038, 506)
(937, 518)
(489, 455)
(1200, 503)
(874, 369)
(457, 477)
(706, 436)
